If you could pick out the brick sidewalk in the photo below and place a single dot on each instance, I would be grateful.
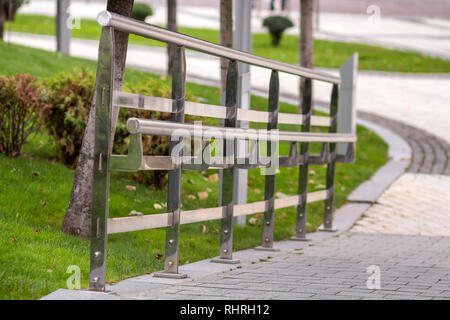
(415, 204)
(412, 267)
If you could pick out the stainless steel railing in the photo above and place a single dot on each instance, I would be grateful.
(109, 19)
(299, 153)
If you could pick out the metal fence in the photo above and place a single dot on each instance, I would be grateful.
(341, 130)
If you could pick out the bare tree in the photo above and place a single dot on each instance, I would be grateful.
(172, 26)
(226, 37)
(77, 220)
(306, 44)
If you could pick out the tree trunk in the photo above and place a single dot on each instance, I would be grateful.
(77, 220)
(172, 26)
(2, 20)
(226, 37)
(306, 44)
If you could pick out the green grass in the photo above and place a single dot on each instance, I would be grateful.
(326, 53)
(35, 190)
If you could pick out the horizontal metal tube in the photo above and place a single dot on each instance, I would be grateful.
(109, 19)
(160, 220)
(142, 102)
(167, 128)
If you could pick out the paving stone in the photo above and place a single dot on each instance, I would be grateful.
(415, 204)
(430, 154)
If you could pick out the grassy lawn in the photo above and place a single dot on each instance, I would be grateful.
(35, 190)
(326, 53)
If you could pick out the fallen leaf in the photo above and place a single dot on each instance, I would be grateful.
(256, 191)
(214, 177)
(35, 174)
(157, 206)
(204, 229)
(279, 195)
(208, 190)
(192, 197)
(149, 240)
(131, 188)
(252, 221)
(13, 239)
(202, 195)
(37, 231)
(135, 213)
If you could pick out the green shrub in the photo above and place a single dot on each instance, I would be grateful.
(141, 11)
(70, 96)
(277, 25)
(21, 104)
(15, 6)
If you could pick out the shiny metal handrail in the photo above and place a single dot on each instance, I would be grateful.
(167, 128)
(110, 19)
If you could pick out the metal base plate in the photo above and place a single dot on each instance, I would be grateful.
(260, 248)
(227, 261)
(169, 275)
(328, 230)
(299, 239)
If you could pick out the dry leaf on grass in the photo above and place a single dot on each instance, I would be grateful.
(135, 213)
(157, 206)
(214, 177)
(202, 195)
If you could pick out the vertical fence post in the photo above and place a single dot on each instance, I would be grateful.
(300, 230)
(346, 117)
(174, 180)
(227, 201)
(102, 151)
(63, 32)
(270, 187)
(242, 40)
(331, 166)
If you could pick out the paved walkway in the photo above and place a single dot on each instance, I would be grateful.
(430, 154)
(410, 267)
(415, 204)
